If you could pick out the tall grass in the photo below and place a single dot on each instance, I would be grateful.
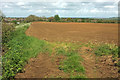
(20, 49)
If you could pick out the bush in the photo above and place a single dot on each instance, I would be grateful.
(7, 29)
(14, 21)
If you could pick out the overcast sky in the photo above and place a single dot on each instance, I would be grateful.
(64, 8)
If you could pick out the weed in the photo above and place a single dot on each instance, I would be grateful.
(106, 49)
(72, 64)
(20, 49)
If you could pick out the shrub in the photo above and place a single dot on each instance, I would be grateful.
(14, 21)
(57, 18)
(51, 19)
(7, 29)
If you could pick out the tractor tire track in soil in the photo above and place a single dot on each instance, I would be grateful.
(98, 67)
(42, 67)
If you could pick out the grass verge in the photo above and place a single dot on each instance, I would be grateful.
(20, 49)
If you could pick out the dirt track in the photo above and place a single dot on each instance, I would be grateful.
(74, 31)
(43, 66)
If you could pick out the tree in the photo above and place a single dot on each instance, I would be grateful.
(57, 18)
(69, 19)
(76, 20)
(51, 19)
(32, 18)
(14, 21)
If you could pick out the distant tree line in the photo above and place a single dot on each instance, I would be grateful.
(56, 18)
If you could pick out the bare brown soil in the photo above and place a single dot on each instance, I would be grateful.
(47, 66)
(43, 66)
(84, 32)
(98, 67)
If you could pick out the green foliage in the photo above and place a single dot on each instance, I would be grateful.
(72, 64)
(76, 20)
(57, 18)
(14, 21)
(118, 64)
(60, 50)
(69, 19)
(51, 19)
(106, 49)
(79, 77)
(7, 29)
(21, 49)
(32, 18)
(66, 49)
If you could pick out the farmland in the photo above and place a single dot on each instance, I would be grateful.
(83, 32)
(65, 37)
(62, 50)
(59, 39)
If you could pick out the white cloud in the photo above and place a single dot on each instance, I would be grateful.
(116, 12)
(83, 3)
(105, 0)
(110, 6)
(116, 2)
(30, 10)
(60, 12)
(38, 11)
(58, 0)
(56, 11)
(43, 11)
(94, 10)
(26, 6)
(44, 7)
(62, 8)
(60, 4)
(20, 3)
(6, 6)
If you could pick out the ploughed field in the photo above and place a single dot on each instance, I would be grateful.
(78, 58)
(83, 32)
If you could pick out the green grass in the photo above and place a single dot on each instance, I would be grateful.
(72, 63)
(21, 49)
(78, 76)
(106, 49)
(0, 77)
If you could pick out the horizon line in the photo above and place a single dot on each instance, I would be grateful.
(61, 17)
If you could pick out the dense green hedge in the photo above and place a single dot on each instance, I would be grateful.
(7, 29)
(20, 49)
